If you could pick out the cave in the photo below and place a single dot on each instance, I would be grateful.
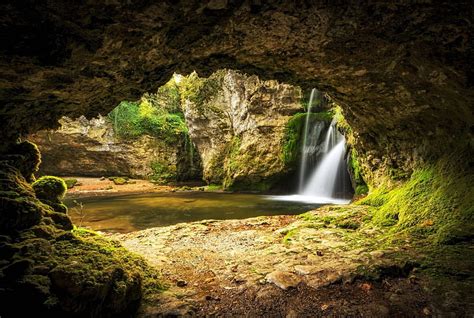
(399, 74)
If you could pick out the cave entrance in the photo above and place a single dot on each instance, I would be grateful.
(200, 148)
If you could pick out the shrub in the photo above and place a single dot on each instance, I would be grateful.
(133, 119)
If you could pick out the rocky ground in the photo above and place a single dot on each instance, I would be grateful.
(322, 263)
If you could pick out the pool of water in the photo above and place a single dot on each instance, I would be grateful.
(127, 213)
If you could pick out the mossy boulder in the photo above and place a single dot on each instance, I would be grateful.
(50, 189)
(119, 180)
(71, 183)
(28, 159)
(61, 273)
(76, 273)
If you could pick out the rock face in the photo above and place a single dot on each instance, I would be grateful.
(239, 127)
(90, 148)
(400, 71)
(60, 272)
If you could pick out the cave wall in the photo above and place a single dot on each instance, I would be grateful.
(399, 71)
(85, 147)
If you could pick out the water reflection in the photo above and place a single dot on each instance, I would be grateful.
(126, 213)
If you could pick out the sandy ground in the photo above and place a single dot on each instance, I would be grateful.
(88, 186)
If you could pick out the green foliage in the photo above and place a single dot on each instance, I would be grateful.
(201, 90)
(361, 189)
(131, 120)
(70, 183)
(343, 217)
(214, 187)
(289, 235)
(167, 97)
(50, 188)
(341, 122)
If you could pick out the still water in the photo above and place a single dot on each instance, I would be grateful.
(127, 213)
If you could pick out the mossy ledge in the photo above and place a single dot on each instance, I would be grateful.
(437, 202)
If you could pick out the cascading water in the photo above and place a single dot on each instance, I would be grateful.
(304, 149)
(323, 181)
(312, 133)
(327, 183)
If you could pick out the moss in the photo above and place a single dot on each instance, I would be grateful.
(249, 185)
(78, 273)
(162, 172)
(436, 202)
(120, 181)
(50, 188)
(115, 177)
(293, 136)
(289, 235)
(201, 91)
(70, 183)
(214, 187)
(361, 187)
(342, 217)
(342, 123)
(232, 162)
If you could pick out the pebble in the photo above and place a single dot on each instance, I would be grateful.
(181, 283)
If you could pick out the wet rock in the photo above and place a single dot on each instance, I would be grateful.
(283, 280)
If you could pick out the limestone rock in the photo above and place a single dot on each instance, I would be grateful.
(238, 130)
(90, 148)
(283, 280)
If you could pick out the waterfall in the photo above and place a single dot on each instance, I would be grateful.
(327, 181)
(324, 179)
(304, 150)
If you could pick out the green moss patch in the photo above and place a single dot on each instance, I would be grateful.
(293, 137)
(50, 188)
(436, 202)
(70, 183)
